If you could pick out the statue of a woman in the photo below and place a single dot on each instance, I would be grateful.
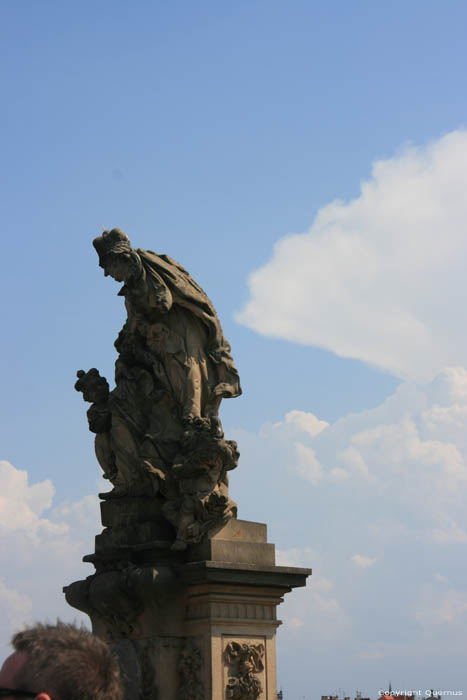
(172, 319)
(174, 368)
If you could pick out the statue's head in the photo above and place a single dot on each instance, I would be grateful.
(93, 387)
(116, 256)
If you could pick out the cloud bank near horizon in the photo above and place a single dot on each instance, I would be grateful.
(376, 505)
(379, 278)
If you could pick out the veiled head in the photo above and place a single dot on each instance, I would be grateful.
(114, 241)
(115, 254)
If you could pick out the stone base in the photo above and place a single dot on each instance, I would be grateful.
(200, 626)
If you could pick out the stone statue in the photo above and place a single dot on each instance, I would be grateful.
(158, 432)
(183, 591)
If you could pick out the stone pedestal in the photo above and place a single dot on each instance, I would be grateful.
(193, 625)
(231, 613)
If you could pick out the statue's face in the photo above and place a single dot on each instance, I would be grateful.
(96, 391)
(118, 267)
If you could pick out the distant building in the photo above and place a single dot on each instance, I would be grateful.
(390, 695)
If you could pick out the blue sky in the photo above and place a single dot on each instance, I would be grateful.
(306, 162)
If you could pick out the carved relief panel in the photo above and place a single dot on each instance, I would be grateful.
(244, 668)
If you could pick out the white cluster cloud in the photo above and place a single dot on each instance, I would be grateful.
(306, 422)
(361, 561)
(317, 602)
(379, 278)
(411, 449)
(42, 546)
(15, 607)
(21, 505)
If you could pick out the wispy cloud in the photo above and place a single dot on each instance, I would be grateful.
(362, 562)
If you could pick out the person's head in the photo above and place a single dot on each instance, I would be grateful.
(116, 256)
(92, 385)
(60, 662)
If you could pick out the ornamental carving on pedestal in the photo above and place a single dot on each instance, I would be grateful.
(146, 649)
(189, 667)
(244, 661)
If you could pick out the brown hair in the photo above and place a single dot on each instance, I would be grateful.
(68, 663)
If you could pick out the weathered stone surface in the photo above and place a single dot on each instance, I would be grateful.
(241, 531)
(248, 574)
(127, 511)
(256, 553)
(238, 541)
(130, 668)
(133, 535)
